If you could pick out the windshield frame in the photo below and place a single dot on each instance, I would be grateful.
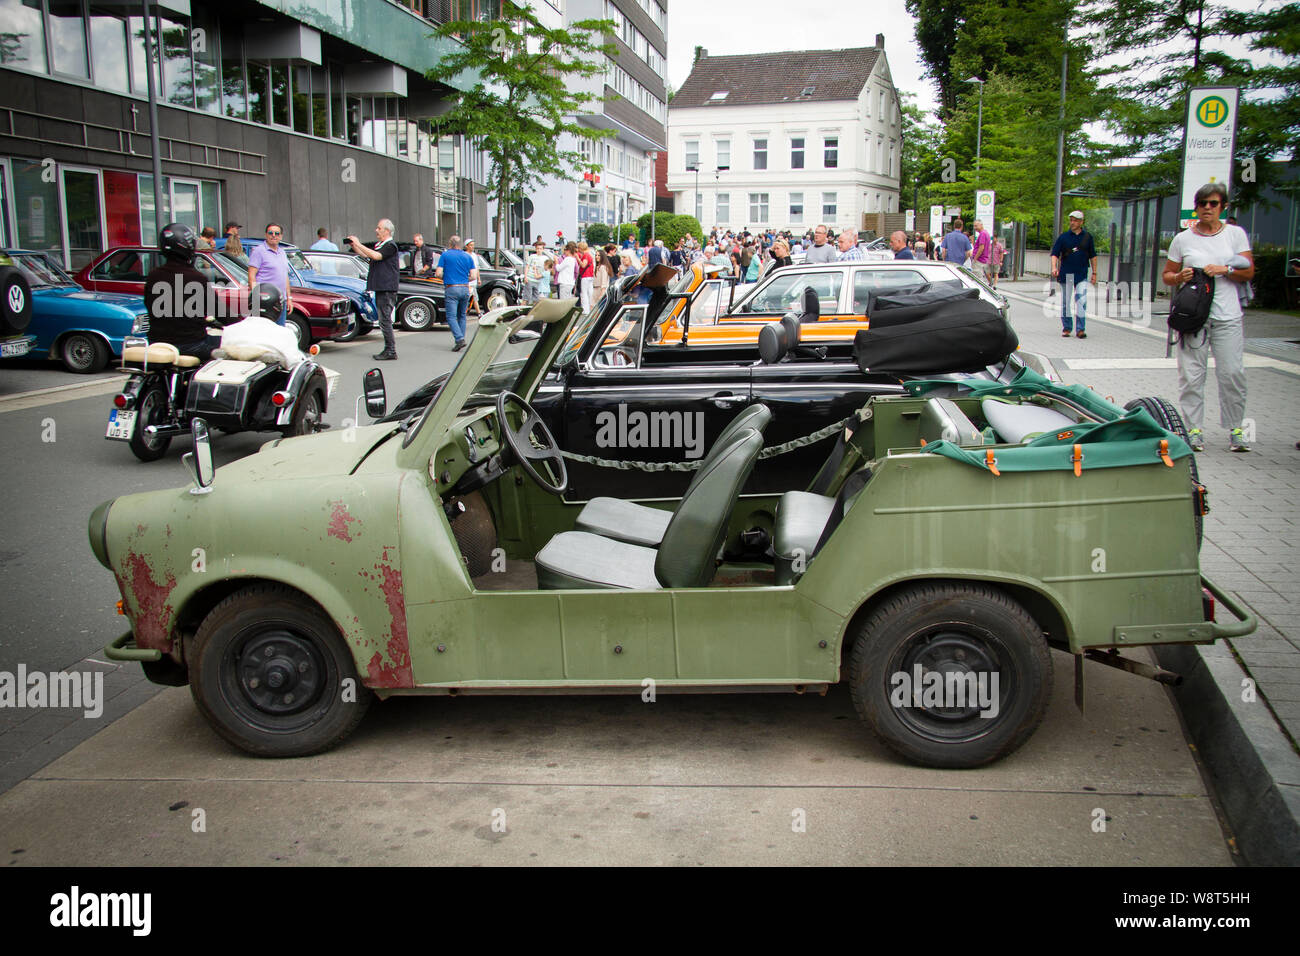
(22, 260)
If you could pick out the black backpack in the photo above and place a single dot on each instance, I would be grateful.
(1189, 306)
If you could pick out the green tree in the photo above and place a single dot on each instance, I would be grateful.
(937, 22)
(596, 234)
(524, 98)
(920, 162)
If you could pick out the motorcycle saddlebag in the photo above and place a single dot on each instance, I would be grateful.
(225, 393)
(962, 336)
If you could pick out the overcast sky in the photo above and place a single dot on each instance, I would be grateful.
(769, 26)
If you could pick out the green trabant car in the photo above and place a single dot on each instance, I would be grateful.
(959, 533)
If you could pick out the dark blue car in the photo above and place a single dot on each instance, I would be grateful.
(81, 329)
(364, 313)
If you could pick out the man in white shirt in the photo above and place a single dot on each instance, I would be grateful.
(1213, 246)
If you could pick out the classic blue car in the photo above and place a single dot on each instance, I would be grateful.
(81, 329)
(364, 312)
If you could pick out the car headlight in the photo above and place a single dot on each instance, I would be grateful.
(340, 307)
(141, 324)
(98, 533)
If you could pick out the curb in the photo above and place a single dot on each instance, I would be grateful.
(1252, 766)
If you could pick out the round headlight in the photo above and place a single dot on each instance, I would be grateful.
(97, 530)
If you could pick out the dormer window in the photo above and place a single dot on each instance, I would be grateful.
(808, 91)
(719, 96)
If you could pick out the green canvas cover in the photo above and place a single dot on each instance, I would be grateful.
(1126, 438)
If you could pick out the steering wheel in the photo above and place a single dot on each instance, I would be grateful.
(533, 445)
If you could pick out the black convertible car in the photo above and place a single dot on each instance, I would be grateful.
(622, 391)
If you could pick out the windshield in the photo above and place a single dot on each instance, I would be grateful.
(40, 272)
(296, 258)
(349, 266)
(500, 375)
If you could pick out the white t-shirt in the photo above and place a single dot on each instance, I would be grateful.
(1190, 248)
(566, 270)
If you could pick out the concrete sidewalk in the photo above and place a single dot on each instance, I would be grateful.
(1241, 698)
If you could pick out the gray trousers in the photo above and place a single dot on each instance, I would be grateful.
(1224, 337)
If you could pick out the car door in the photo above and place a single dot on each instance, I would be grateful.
(643, 411)
(229, 300)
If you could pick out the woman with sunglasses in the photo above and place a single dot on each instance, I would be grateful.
(1223, 251)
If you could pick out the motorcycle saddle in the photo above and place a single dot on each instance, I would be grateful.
(157, 353)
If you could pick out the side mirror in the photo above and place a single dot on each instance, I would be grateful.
(523, 335)
(199, 461)
(372, 387)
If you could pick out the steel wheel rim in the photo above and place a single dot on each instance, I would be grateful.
(276, 679)
(311, 413)
(80, 352)
(417, 316)
(951, 648)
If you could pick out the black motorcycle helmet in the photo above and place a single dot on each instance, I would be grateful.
(267, 301)
(178, 241)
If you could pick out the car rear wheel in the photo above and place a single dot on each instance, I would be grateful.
(151, 409)
(1167, 417)
(82, 352)
(951, 675)
(273, 676)
(301, 329)
(417, 315)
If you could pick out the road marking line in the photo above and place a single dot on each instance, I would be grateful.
(60, 393)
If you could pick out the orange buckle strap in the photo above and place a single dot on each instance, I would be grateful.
(991, 460)
(1164, 452)
(1078, 460)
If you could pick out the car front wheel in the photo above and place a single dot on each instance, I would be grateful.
(951, 675)
(301, 329)
(83, 353)
(272, 675)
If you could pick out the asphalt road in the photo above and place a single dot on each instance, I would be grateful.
(690, 780)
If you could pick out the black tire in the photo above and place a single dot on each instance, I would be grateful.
(83, 353)
(151, 409)
(1168, 418)
(958, 628)
(497, 298)
(417, 315)
(15, 301)
(307, 414)
(301, 330)
(267, 636)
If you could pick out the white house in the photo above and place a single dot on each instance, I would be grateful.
(786, 140)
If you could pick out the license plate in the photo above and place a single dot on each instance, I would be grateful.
(121, 424)
(15, 349)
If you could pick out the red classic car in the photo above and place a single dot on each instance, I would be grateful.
(315, 315)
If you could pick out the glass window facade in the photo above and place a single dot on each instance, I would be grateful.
(68, 38)
(23, 43)
(108, 50)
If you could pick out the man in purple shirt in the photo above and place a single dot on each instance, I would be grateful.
(268, 263)
(982, 250)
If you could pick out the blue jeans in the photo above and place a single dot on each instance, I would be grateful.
(1078, 291)
(457, 303)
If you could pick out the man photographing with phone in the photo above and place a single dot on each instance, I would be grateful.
(382, 280)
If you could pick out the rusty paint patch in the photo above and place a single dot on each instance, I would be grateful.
(153, 608)
(339, 521)
(396, 672)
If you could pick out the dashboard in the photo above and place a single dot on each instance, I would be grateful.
(472, 455)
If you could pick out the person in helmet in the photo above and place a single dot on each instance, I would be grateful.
(176, 294)
(268, 301)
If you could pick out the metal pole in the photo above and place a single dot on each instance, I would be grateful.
(1060, 139)
(979, 139)
(654, 202)
(154, 148)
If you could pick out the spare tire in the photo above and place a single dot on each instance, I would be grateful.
(1167, 417)
(15, 301)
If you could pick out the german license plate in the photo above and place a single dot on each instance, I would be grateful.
(15, 349)
(120, 424)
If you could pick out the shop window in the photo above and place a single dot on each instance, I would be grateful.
(108, 50)
(210, 205)
(121, 208)
(36, 209)
(68, 38)
(23, 43)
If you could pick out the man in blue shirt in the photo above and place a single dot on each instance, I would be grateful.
(956, 247)
(456, 268)
(898, 242)
(322, 242)
(1073, 254)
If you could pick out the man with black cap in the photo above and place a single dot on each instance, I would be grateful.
(1073, 255)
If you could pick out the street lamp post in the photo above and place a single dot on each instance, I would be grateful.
(654, 202)
(979, 130)
(696, 168)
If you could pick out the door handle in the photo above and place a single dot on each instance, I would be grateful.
(727, 401)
